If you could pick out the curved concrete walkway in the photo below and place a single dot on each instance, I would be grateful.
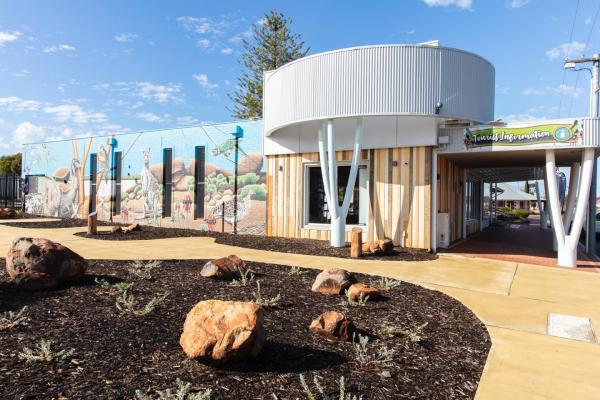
(512, 299)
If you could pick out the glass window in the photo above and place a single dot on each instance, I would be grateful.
(318, 209)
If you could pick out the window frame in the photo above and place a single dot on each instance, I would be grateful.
(306, 197)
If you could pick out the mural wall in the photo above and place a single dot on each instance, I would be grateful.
(59, 176)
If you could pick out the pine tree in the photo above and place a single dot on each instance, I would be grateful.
(272, 45)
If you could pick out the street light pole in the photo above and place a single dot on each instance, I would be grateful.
(590, 243)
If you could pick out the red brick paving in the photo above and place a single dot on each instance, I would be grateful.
(524, 243)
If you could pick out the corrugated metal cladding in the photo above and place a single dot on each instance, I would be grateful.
(380, 80)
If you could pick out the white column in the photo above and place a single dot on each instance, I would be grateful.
(541, 209)
(571, 196)
(567, 244)
(464, 213)
(329, 174)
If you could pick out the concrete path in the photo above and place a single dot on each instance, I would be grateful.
(512, 299)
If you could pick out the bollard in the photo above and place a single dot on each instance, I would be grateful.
(356, 243)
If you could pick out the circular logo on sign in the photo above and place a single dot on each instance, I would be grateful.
(562, 134)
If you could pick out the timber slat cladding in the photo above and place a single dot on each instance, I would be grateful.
(450, 195)
(399, 195)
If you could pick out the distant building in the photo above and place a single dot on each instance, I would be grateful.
(514, 198)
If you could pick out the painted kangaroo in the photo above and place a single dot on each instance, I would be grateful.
(150, 187)
(68, 204)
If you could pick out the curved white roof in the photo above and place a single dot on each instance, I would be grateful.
(383, 80)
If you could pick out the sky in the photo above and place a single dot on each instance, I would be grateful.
(75, 68)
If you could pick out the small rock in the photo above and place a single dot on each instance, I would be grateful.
(132, 228)
(358, 290)
(223, 268)
(333, 326)
(366, 248)
(220, 332)
(374, 247)
(7, 213)
(333, 281)
(34, 263)
(116, 229)
(386, 246)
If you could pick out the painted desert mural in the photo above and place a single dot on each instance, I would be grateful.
(59, 175)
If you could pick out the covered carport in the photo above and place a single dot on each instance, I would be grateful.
(468, 166)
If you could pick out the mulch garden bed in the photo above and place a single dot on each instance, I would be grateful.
(116, 354)
(54, 223)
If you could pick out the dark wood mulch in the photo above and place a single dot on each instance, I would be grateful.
(55, 223)
(116, 354)
(21, 215)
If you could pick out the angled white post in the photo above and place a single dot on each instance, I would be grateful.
(571, 196)
(542, 210)
(328, 162)
(567, 243)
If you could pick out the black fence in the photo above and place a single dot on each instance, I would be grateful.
(10, 192)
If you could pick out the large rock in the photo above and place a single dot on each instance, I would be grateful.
(223, 268)
(333, 326)
(6, 213)
(358, 290)
(386, 246)
(33, 263)
(220, 332)
(333, 281)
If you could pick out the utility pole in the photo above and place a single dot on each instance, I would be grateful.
(590, 243)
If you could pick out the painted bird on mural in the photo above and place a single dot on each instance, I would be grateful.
(225, 148)
(244, 205)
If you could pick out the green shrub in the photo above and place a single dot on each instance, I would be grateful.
(521, 213)
(259, 192)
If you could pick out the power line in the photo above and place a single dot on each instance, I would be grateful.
(568, 54)
(587, 42)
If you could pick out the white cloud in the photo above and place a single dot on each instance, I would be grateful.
(202, 25)
(462, 4)
(588, 20)
(565, 50)
(74, 113)
(126, 37)
(14, 103)
(533, 92)
(518, 3)
(520, 118)
(58, 49)
(27, 132)
(239, 38)
(7, 37)
(4, 146)
(226, 50)
(187, 120)
(20, 73)
(203, 81)
(204, 43)
(567, 90)
(149, 117)
(160, 93)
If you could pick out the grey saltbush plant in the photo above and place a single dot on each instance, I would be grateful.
(10, 319)
(367, 355)
(183, 392)
(119, 287)
(246, 276)
(360, 302)
(415, 335)
(295, 270)
(386, 283)
(143, 269)
(321, 392)
(264, 301)
(43, 353)
(128, 304)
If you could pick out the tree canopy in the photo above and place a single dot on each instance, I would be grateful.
(10, 164)
(272, 45)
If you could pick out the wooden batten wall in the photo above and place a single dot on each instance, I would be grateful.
(399, 195)
(450, 195)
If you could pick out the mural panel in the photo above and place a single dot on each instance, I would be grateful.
(59, 175)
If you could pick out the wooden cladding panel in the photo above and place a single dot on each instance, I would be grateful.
(450, 195)
(399, 195)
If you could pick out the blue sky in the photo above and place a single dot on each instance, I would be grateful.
(79, 68)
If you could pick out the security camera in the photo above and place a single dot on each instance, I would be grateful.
(438, 107)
